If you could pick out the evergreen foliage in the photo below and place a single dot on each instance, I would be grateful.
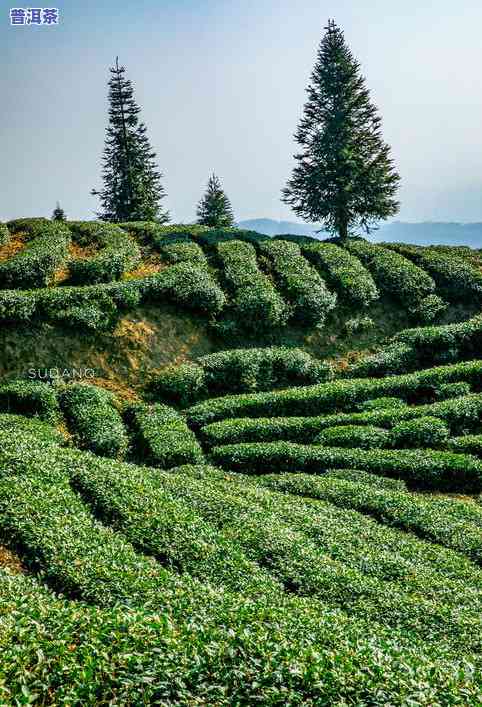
(132, 188)
(344, 176)
(58, 214)
(214, 209)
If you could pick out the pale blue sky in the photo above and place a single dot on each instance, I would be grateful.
(221, 85)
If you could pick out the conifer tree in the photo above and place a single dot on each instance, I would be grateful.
(214, 209)
(132, 188)
(58, 214)
(344, 176)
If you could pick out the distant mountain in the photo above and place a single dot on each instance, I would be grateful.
(425, 233)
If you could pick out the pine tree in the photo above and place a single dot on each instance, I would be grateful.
(344, 177)
(58, 214)
(214, 209)
(132, 185)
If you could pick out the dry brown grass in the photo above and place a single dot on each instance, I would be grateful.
(78, 252)
(149, 266)
(10, 561)
(14, 246)
(120, 389)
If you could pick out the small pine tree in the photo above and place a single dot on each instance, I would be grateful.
(132, 185)
(344, 176)
(214, 209)
(58, 214)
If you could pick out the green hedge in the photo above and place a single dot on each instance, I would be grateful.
(183, 253)
(186, 285)
(299, 282)
(420, 468)
(37, 262)
(354, 436)
(393, 274)
(426, 431)
(94, 420)
(467, 444)
(446, 521)
(28, 225)
(356, 475)
(153, 234)
(136, 502)
(429, 309)
(457, 279)
(255, 302)
(408, 607)
(343, 272)
(452, 390)
(237, 370)
(33, 426)
(161, 436)
(30, 397)
(17, 306)
(423, 346)
(337, 395)
(211, 237)
(383, 403)
(460, 414)
(117, 253)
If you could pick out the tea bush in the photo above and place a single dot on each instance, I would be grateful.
(28, 397)
(354, 436)
(255, 302)
(238, 370)
(431, 432)
(336, 395)
(420, 468)
(94, 420)
(441, 520)
(162, 437)
(461, 414)
(36, 263)
(457, 279)
(393, 274)
(17, 306)
(343, 272)
(299, 283)
(183, 253)
(116, 253)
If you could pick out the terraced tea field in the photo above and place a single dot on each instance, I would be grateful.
(256, 524)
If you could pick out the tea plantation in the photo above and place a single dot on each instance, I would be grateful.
(257, 524)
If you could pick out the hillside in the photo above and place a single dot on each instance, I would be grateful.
(266, 489)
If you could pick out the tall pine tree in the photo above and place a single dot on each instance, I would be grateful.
(58, 213)
(344, 176)
(214, 209)
(132, 185)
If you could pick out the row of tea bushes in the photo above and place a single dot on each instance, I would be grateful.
(44, 253)
(460, 415)
(94, 420)
(449, 522)
(255, 302)
(236, 371)
(421, 347)
(336, 395)
(135, 502)
(393, 274)
(343, 558)
(116, 253)
(135, 656)
(98, 307)
(30, 398)
(457, 279)
(343, 272)
(183, 253)
(161, 436)
(299, 283)
(423, 432)
(420, 468)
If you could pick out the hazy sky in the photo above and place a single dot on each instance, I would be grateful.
(221, 85)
